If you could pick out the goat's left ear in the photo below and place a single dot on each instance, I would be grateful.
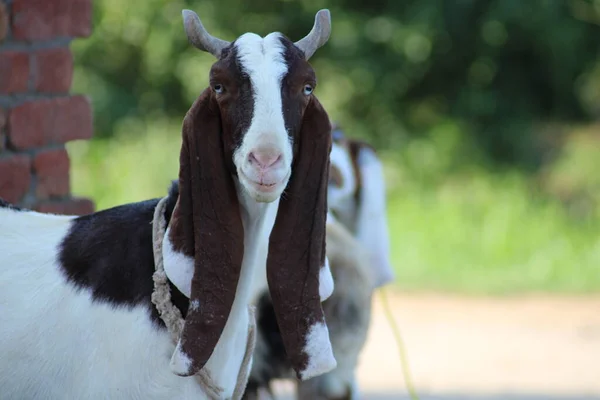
(206, 225)
(371, 217)
(296, 265)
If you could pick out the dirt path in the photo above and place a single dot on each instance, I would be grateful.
(534, 347)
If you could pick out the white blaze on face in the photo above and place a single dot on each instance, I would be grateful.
(265, 156)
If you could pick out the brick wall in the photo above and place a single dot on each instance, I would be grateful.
(38, 115)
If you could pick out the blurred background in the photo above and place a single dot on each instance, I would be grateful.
(487, 116)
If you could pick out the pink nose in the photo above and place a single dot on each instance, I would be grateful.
(264, 158)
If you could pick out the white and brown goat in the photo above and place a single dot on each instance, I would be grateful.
(77, 319)
(358, 253)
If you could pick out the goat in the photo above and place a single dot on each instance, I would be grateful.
(78, 305)
(358, 253)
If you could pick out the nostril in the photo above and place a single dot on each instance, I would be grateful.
(264, 159)
(252, 159)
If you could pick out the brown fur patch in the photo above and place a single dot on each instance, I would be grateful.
(207, 226)
(354, 147)
(297, 243)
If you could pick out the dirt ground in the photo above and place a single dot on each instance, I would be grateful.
(533, 347)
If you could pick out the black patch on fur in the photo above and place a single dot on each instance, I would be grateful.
(110, 253)
(236, 104)
(291, 52)
(267, 322)
(275, 364)
(347, 311)
(243, 109)
(293, 101)
(6, 204)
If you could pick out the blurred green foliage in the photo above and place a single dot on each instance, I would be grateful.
(391, 70)
(483, 111)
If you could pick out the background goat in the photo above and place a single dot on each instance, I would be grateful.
(358, 252)
(75, 293)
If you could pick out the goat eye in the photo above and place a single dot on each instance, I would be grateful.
(308, 89)
(218, 88)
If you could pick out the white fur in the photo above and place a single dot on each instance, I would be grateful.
(340, 198)
(178, 267)
(326, 284)
(180, 362)
(57, 343)
(263, 60)
(371, 221)
(340, 158)
(318, 349)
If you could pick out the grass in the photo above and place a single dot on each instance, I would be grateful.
(131, 167)
(487, 235)
(465, 230)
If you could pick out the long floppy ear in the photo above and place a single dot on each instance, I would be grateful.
(371, 227)
(296, 260)
(207, 226)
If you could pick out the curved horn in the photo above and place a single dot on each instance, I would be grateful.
(318, 35)
(199, 37)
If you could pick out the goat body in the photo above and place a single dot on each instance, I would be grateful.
(75, 311)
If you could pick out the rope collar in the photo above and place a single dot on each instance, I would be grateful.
(171, 316)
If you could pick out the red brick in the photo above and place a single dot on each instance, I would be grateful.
(2, 118)
(47, 19)
(54, 70)
(2, 132)
(52, 170)
(41, 122)
(15, 177)
(3, 21)
(14, 72)
(74, 206)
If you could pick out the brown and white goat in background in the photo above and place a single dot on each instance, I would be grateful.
(77, 318)
(358, 253)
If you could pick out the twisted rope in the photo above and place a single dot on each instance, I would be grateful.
(171, 316)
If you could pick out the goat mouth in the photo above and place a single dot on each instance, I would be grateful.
(264, 187)
(268, 188)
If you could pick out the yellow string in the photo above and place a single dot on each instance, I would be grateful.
(400, 343)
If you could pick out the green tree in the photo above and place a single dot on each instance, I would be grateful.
(392, 69)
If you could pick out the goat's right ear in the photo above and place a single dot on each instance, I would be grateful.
(206, 225)
(297, 271)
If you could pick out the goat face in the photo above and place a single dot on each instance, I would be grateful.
(262, 87)
(258, 121)
(254, 82)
